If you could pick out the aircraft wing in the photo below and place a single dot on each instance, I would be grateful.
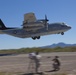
(29, 17)
(30, 23)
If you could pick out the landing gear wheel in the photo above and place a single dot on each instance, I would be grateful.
(62, 33)
(34, 38)
(38, 37)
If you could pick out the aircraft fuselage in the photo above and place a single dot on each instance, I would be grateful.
(53, 28)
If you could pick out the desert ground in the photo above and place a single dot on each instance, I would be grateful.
(21, 63)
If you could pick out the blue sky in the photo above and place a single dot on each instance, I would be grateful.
(12, 12)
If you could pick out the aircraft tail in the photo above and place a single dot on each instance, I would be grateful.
(2, 26)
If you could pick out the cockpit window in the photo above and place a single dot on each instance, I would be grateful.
(63, 23)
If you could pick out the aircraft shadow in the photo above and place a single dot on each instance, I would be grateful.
(39, 73)
(5, 54)
(8, 54)
(51, 71)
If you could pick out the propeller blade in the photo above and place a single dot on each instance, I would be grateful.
(46, 18)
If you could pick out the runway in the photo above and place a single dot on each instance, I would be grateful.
(20, 63)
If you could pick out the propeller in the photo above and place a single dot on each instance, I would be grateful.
(46, 20)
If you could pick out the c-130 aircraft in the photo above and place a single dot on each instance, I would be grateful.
(34, 28)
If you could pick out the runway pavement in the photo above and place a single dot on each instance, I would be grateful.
(21, 62)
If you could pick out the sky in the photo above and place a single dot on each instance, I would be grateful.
(12, 14)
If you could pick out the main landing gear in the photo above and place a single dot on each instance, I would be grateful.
(36, 37)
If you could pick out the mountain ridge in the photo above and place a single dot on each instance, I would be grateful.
(60, 44)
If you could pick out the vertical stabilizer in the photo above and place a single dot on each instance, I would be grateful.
(2, 26)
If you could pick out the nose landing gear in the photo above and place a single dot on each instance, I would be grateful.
(62, 33)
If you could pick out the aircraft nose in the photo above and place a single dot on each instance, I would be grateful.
(69, 27)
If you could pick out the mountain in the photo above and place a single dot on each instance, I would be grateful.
(61, 44)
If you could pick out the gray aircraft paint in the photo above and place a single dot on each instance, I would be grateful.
(53, 28)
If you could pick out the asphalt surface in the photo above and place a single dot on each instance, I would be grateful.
(21, 63)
